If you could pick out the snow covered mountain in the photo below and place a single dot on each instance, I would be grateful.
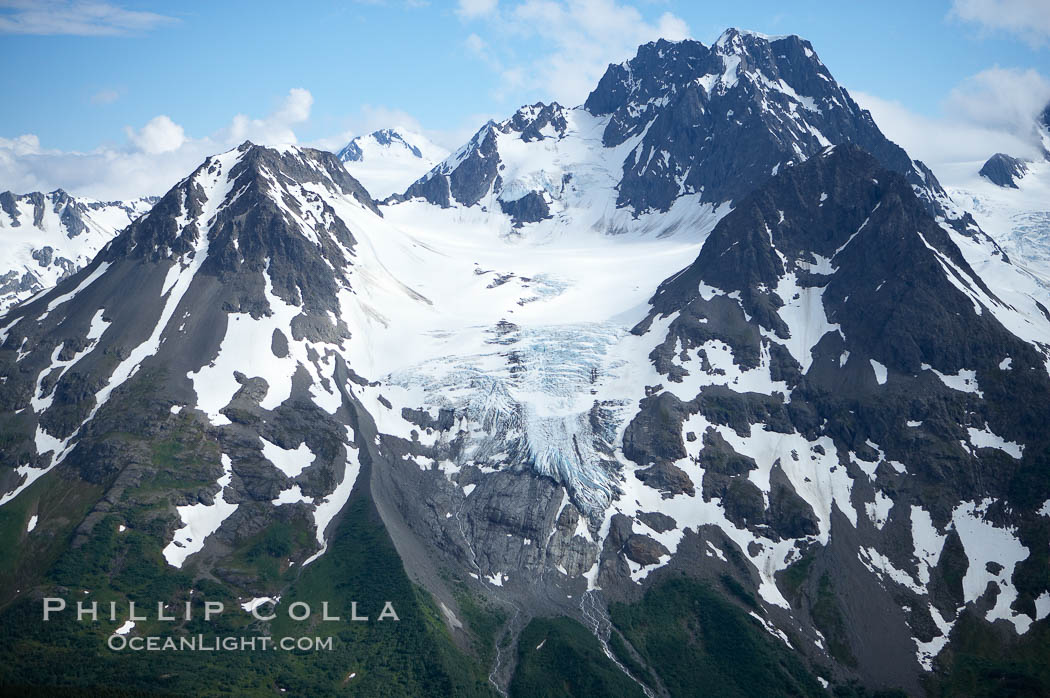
(388, 160)
(680, 123)
(835, 295)
(1010, 199)
(46, 237)
(709, 336)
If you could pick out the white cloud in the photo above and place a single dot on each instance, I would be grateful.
(23, 145)
(939, 141)
(581, 38)
(104, 173)
(276, 128)
(471, 9)
(296, 107)
(1001, 99)
(476, 44)
(160, 135)
(154, 158)
(74, 17)
(992, 111)
(1027, 19)
(105, 97)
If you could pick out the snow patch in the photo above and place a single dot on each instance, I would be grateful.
(880, 372)
(984, 438)
(291, 462)
(200, 520)
(965, 381)
(984, 542)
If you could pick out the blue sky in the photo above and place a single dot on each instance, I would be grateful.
(81, 77)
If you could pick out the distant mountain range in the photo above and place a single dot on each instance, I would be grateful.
(388, 160)
(702, 387)
(44, 238)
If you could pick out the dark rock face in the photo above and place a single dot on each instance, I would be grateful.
(644, 550)
(790, 516)
(528, 209)
(722, 120)
(469, 179)
(476, 174)
(531, 122)
(473, 171)
(1003, 170)
(1042, 129)
(351, 152)
(657, 521)
(657, 437)
(423, 419)
(668, 478)
(7, 204)
(44, 255)
(70, 212)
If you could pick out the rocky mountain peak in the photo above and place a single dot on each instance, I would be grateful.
(387, 160)
(536, 122)
(724, 118)
(1003, 170)
(679, 119)
(473, 171)
(389, 138)
(283, 182)
(661, 70)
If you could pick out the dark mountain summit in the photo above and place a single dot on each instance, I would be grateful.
(1003, 170)
(474, 170)
(713, 121)
(722, 119)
